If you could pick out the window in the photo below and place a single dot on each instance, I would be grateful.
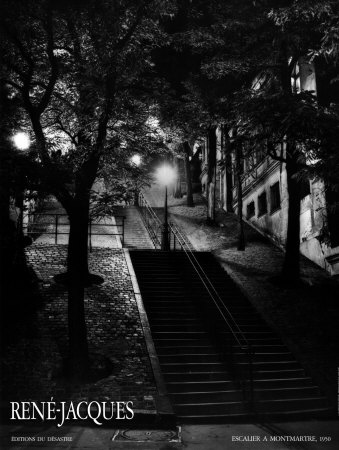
(332, 203)
(295, 79)
(262, 204)
(275, 197)
(259, 156)
(250, 210)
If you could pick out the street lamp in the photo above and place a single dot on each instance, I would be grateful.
(165, 176)
(21, 140)
(136, 161)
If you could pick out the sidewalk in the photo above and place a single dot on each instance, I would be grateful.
(306, 318)
(193, 437)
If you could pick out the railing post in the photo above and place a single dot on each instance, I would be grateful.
(123, 230)
(250, 361)
(56, 228)
(165, 235)
(90, 234)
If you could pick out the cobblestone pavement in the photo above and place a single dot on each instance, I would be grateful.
(114, 329)
(306, 317)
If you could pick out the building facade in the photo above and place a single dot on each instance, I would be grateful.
(265, 194)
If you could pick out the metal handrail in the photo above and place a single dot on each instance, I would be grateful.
(56, 227)
(146, 210)
(215, 296)
(185, 246)
(175, 230)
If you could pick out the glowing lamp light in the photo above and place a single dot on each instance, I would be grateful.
(136, 159)
(166, 175)
(21, 140)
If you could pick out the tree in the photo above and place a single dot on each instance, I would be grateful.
(181, 105)
(181, 118)
(263, 41)
(77, 70)
(19, 177)
(190, 66)
(295, 119)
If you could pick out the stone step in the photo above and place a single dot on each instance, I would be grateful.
(189, 355)
(220, 375)
(208, 396)
(208, 408)
(186, 350)
(189, 325)
(181, 341)
(180, 335)
(290, 404)
(180, 338)
(203, 361)
(176, 317)
(258, 367)
(278, 416)
(259, 385)
(220, 395)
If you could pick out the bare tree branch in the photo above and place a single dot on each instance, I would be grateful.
(54, 66)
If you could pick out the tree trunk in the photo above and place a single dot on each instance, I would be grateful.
(291, 265)
(78, 365)
(177, 187)
(189, 188)
(229, 183)
(212, 155)
(7, 249)
(241, 234)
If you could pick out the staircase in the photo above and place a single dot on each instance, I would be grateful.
(136, 235)
(203, 366)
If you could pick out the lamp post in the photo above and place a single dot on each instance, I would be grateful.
(136, 160)
(165, 176)
(22, 142)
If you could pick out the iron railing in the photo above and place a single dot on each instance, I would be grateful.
(57, 224)
(179, 242)
(155, 226)
(151, 221)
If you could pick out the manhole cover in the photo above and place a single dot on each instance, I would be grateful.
(148, 435)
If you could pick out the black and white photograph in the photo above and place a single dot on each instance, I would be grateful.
(169, 224)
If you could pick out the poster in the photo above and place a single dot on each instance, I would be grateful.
(130, 317)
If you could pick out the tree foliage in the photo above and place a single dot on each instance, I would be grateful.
(82, 75)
